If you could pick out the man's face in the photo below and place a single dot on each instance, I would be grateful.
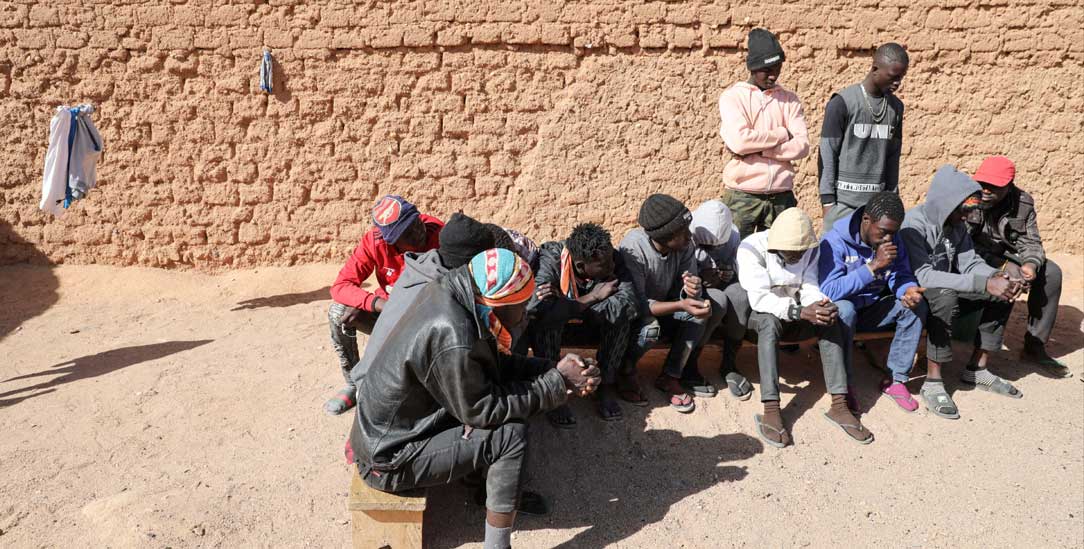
(679, 241)
(970, 204)
(992, 194)
(765, 78)
(888, 77)
(413, 239)
(600, 267)
(790, 257)
(511, 316)
(875, 233)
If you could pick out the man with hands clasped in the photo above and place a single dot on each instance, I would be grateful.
(864, 269)
(778, 270)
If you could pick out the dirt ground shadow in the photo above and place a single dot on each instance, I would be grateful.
(92, 366)
(607, 479)
(28, 286)
(285, 300)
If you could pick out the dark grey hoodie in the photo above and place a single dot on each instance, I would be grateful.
(418, 270)
(944, 256)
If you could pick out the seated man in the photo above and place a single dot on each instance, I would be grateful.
(716, 242)
(864, 270)
(461, 239)
(399, 228)
(584, 278)
(444, 399)
(1006, 235)
(664, 275)
(957, 282)
(778, 270)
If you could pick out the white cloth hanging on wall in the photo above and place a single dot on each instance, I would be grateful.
(71, 160)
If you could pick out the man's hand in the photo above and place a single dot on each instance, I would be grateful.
(884, 256)
(912, 297)
(602, 291)
(378, 305)
(726, 274)
(712, 278)
(1027, 272)
(581, 376)
(696, 307)
(1001, 287)
(545, 291)
(822, 313)
(692, 284)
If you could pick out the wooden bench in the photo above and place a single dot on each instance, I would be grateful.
(382, 520)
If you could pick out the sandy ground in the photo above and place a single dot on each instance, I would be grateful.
(146, 408)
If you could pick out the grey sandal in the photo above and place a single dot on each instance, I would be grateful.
(999, 387)
(740, 388)
(859, 427)
(761, 426)
(938, 401)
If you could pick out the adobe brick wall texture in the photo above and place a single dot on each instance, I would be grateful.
(534, 115)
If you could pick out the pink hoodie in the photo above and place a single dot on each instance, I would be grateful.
(755, 124)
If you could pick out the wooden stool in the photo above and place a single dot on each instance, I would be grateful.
(382, 520)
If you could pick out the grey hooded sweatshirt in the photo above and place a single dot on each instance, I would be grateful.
(943, 256)
(418, 270)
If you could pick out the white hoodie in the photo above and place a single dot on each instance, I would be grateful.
(774, 286)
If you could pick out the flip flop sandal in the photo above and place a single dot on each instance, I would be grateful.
(530, 503)
(845, 426)
(904, 400)
(740, 388)
(939, 403)
(679, 399)
(700, 387)
(758, 419)
(610, 410)
(998, 387)
(683, 403)
(561, 417)
(340, 403)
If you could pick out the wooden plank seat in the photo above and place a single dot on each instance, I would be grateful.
(382, 520)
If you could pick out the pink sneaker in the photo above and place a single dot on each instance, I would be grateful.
(899, 393)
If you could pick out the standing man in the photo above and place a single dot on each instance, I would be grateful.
(862, 137)
(865, 271)
(398, 228)
(957, 282)
(764, 129)
(1006, 235)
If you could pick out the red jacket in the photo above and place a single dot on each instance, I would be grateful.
(373, 254)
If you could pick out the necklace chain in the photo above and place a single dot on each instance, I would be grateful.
(877, 116)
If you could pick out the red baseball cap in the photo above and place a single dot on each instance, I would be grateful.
(996, 170)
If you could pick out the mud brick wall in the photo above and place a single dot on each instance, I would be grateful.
(532, 114)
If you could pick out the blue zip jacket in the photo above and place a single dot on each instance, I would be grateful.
(842, 266)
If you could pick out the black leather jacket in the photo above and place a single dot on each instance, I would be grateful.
(438, 368)
(1008, 231)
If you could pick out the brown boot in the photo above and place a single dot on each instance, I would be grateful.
(840, 416)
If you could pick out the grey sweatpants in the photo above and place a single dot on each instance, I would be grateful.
(771, 330)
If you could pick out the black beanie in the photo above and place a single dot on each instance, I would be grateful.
(461, 239)
(662, 215)
(764, 50)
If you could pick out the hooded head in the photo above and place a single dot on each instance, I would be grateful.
(503, 283)
(791, 235)
(949, 190)
(712, 224)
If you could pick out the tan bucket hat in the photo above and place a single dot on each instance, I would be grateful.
(792, 231)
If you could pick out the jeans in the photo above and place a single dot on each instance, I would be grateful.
(1043, 299)
(613, 340)
(685, 331)
(344, 337)
(456, 453)
(946, 305)
(729, 309)
(771, 330)
(881, 315)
